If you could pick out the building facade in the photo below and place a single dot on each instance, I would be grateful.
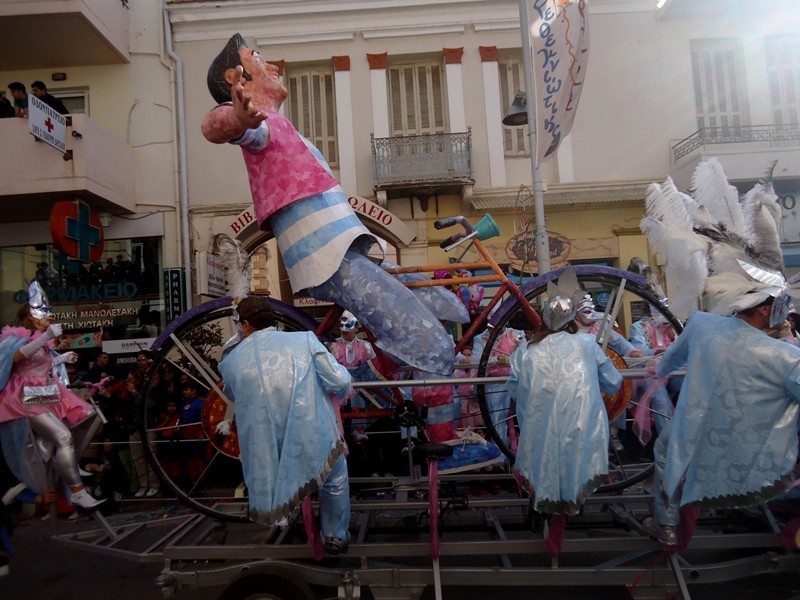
(405, 99)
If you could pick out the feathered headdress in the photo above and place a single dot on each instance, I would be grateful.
(715, 243)
(238, 267)
(239, 271)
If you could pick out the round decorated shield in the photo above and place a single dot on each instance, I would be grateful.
(214, 409)
(616, 403)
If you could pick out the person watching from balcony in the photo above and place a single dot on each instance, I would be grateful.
(39, 89)
(20, 96)
(6, 108)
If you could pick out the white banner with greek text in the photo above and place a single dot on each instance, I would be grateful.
(559, 32)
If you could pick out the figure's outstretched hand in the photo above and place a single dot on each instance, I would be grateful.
(247, 114)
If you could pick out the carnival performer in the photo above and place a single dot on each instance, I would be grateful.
(289, 439)
(733, 439)
(589, 321)
(354, 354)
(652, 334)
(557, 379)
(498, 398)
(376, 449)
(32, 397)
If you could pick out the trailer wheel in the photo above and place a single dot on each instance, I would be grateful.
(267, 586)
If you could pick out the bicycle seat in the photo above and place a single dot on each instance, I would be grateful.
(430, 450)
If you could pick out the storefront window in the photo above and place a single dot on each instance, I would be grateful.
(115, 304)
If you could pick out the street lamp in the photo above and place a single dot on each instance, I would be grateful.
(521, 113)
(517, 114)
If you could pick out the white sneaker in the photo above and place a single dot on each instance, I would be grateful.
(85, 500)
(141, 492)
(151, 492)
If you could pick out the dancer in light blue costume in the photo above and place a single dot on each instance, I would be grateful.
(733, 438)
(290, 443)
(558, 379)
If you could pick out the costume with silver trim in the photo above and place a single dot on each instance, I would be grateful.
(733, 439)
(558, 384)
(46, 419)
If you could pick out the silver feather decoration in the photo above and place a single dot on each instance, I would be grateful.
(711, 189)
(730, 250)
(238, 267)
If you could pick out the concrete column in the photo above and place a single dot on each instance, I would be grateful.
(344, 119)
(455, 89)
(494, 116)
(380, 95)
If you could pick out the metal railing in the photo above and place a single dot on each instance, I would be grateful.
(769, 134)
(422, 159)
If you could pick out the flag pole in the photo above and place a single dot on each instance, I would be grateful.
(541, 237)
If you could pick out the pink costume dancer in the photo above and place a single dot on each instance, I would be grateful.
(26, 365)
(354, 354)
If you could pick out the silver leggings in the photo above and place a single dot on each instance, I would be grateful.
(49, 427)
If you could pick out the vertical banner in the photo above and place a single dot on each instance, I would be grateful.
(559, 32)
(174, 293)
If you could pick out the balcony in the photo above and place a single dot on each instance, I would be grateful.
(745, 152)
(422, 164)
(36, 175)
(45, 34)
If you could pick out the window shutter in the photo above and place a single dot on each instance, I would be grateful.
(783, 74)
(311, 107)
(417, 100)
(719, 86)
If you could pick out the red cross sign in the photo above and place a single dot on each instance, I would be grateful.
(76, 230)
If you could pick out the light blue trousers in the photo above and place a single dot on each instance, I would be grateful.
(334, 502)
(665, 509)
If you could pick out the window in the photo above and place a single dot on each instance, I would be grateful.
(76, 101)
(311, 106)
(783, 73)
(416, 99)
(719, 83)
(96, 301)
(512, 80)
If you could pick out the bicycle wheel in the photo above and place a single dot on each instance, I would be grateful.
(194, 464)
(627, 467)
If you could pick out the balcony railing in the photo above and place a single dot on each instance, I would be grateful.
(771, 135)
(422, 159)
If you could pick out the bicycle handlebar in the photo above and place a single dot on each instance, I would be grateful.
(456, 237)
(450, 221)
(444, 223)
(452, 239)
